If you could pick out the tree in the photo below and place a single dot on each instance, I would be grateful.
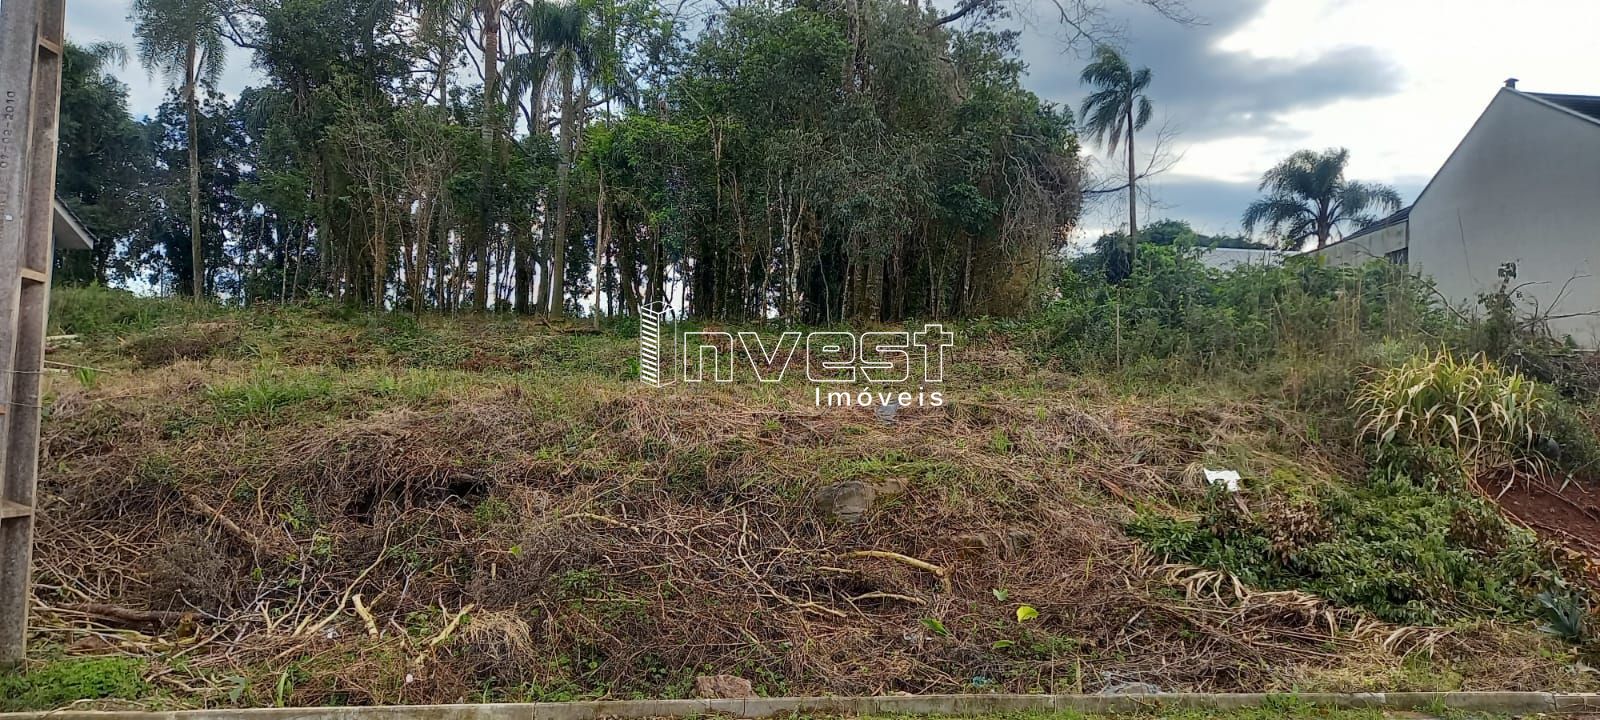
(159, 247)
(1118, 107)
(548, 33)
(566, 36)
(183, 39)
(1309, 197)
(490, 12)
(812, 162)
(101, 161)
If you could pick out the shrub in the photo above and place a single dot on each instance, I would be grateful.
(1567, 437)
(1405, 553)
(98, 310)
(61, 682)
(1469, 406)
(1176, 313)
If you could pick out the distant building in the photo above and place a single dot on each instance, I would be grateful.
(1523, 187)
(1229, 258)
(1386, 239)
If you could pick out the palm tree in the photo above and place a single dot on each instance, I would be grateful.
(183, 39)
(562, 38)
(1118, 106)
(1308, 196)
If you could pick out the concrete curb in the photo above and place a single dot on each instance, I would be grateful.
(1516, 703)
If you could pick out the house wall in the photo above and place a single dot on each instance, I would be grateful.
(1374, 245)
(1523, 187)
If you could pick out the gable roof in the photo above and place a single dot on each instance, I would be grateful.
(1582, 107)
(1394, 218)
(67, 230)
(1586, 105)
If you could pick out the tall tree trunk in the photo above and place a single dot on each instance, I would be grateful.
(628, 267)
(531, 252)
(599, 244)
(1133, 195)
(1324, 226)
(491, 139)
(541, 291)
(522, 241)
(652, 259)
(558, 250)
(191, 102)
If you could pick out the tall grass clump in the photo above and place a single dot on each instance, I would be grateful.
(1485, 415)
(98, 310)
(1175, 314)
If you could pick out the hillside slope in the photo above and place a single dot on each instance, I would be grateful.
(295, 506)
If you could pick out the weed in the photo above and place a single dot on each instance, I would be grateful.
(268, 393)
(87, 377)
(490, 511)
(60, 682)
(1566, 612)
(1405, 553)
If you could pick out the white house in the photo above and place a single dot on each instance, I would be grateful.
(1523, 187)
(1230, 258)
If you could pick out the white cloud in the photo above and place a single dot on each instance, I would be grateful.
(91, 21)
(1448, 60)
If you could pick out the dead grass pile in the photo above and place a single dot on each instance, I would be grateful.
(512, 539)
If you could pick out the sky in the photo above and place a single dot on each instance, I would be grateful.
(1398, 82)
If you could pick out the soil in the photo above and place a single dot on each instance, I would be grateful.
(1568, 516)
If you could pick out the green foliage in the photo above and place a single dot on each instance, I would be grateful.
(1467, 405)
(1566, 436)
(1566, 613)
(1410, 549)
(1174, 313)
(61, 682)
(101, 158)
(97, 310)
(936, 626)
(1308, 198)
(269, 392)
(1166, 233)
(811, 160)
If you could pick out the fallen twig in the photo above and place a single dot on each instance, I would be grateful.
(366, 615)
(938, 571)
(201, 507)
(145, 617)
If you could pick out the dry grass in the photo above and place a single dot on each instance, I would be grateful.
(523, 523)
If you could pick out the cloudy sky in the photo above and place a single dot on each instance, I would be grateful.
(1398, 82)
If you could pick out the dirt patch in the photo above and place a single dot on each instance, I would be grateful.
(1568, 516)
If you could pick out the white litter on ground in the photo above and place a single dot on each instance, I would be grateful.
(1226, 478)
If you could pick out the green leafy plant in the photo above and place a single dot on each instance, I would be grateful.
(61, 682)
(1407, 553)
(1467, 405)
(1566, 613)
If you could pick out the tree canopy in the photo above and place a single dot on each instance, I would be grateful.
(792, 159)
(1309, 198)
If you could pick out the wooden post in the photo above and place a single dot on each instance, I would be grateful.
(31, 40)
